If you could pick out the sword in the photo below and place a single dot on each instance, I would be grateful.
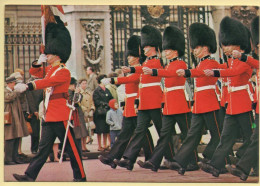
(69, 124)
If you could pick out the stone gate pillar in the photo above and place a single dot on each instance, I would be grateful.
(89, 45)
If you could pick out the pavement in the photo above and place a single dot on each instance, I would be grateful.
(97, 172)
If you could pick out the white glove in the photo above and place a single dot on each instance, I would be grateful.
(106, 81)
(42, 59)
(90, 114)
(20, 87)
(71, 106)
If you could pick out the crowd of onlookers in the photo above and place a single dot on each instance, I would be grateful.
(95, 110)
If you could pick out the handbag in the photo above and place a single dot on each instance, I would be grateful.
(8, 118)
(102, 110)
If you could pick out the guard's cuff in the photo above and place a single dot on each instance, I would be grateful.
(243, 57)
(154, 72)
(30, 86)
(187, 73)
(132, 69)
(216, 73)
(35, 65)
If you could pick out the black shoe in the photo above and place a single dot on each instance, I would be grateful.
(192, 167)
(10, 163)
(34, 152)
(125, 164)
(237, 172)
(79, 180)
(166, 163)
(23, 178)
(147, 165)
(176, 166)
(206, 167)
(107, 161)
(86, 150)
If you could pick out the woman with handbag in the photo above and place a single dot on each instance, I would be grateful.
(101, 97)
(15, 126)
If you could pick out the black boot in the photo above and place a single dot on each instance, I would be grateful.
(147, 165)
(176, 166)
(107, 161)
(23, 178)
(237, 172)
(79, 180)
(206, 167)
(126, 163)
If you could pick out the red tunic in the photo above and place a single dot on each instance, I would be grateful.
(131, 87)
(175, 101)
(57, 109)
(149, 97)
(238, 74)
(205, 100)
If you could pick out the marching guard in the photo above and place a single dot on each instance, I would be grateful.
(233, 36)
(130, 116)
(56, 84)
(176, 107)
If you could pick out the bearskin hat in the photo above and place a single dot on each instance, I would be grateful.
(58, 40)
(173, 38)
(133, 45)
(249, 38)
(255, 30)
(233, 32)
(201, 34)
(151, 36)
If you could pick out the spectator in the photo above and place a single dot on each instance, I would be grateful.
(91, 79)
(79, 129)
(101, 97)
(114, 118)
(87, 106)
(17, 129)
(111, 87)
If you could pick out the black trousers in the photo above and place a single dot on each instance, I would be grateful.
(231, 128)
(51, 130)
(35, 136)
(251, 156)
(128, 127)
(198, 122)
(136, 142)
(11, 150)
(168, 129)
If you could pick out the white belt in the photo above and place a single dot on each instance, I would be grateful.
(197, 89)
(141, 85)
(243, 87)
(131, 95)
(173, 88)
(234, 89)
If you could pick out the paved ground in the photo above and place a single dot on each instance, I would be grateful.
(97, 172)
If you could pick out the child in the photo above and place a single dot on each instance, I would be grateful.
(114, 118)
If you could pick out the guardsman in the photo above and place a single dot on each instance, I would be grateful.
(130, 116)
(206, 106)
(233, 36)
(176, 107)
(251, 157)
(56, 84)
(150, 95)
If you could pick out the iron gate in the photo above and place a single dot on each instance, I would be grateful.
(128, 20)
(22, 46)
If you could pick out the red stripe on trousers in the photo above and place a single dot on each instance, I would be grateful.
(75, 151)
